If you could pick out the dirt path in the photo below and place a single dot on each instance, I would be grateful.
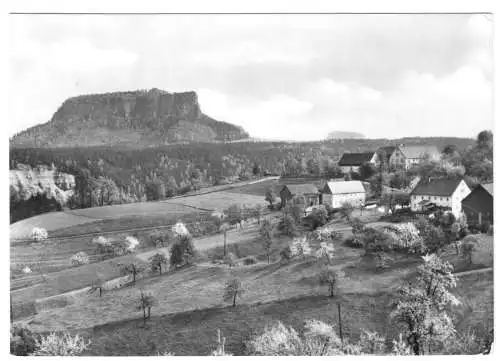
(480, 270)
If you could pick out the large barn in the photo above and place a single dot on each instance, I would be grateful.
(478, 205)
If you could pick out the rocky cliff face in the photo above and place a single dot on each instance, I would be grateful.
(140, 118)
(40, 190)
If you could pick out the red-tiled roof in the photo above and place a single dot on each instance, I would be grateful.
(355, 159)
(437, 187)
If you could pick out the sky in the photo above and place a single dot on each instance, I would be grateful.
(288, 77)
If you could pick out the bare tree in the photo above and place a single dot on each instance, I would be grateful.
(233, 290)
(145, 302)
(332, 279)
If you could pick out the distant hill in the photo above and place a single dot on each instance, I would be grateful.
(344, 135)
(135, 118)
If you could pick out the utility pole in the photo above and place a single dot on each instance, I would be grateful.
(340, 324)
(11, 311)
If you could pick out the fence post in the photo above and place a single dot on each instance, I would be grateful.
(340, 324)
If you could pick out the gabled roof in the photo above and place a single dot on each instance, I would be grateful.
(418, 151)
(344, 187)
(389, 150)
(488, 187)
(355, 159)
(301, 188)
(437, 187)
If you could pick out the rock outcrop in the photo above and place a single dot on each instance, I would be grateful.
(36, 191)
(139, 118)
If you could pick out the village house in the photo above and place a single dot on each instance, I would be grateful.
(414, 154)
(394, 156)
(440, 192)
(337, 193)
(309, 191)
(350, 162)
(478, 205)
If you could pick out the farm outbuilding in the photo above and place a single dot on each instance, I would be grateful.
(309, 191)
(351, 162)
(478, 205)
(337, 193)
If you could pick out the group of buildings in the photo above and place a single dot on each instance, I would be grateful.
(397, 157)
(453, 195)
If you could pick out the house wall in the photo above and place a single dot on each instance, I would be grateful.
(454, 201)
(440, 201)
(397, 159)
(460, 193)
(336, 200)
(479, 201)
(349, 169)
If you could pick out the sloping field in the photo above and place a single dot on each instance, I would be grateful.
(220, 200)
(49, 221)
(172, 207)
(191, 309)
(257, 189)
(30, 287)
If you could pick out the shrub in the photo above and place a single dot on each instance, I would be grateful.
(22, 341)
(354, 242)
(300, 247)
(485, 227)
(61, 345)
(326, 250)
(318, 217)
(318, 339)
(249, 261)
(357, 225)
(160, 238)
(406, 238)
(38, 234)
(286, 254)
(182, 252)
(467, 248)
(79, 258)
(156, 262)
(376, 241)
(287, 225)
(372, 343)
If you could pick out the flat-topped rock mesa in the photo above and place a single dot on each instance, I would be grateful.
(139, 118)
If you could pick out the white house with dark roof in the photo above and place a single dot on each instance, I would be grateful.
(414, 154)
(442, 193)
(350, 162)
(337, 193)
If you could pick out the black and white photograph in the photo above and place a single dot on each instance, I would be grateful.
(222, 183)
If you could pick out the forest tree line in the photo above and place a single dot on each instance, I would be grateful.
(106, 176)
